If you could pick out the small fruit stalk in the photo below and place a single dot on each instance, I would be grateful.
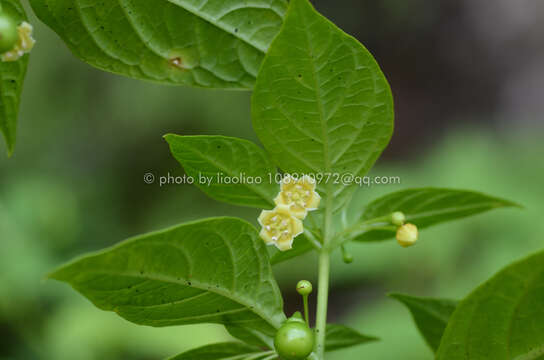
(294, 339)
(15, 39)
(304, 288)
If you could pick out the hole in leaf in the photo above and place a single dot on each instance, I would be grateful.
(176, 62)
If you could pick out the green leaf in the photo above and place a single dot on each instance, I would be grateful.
(321, 104)
(214, 160)
(425, 207)
(340, 336)
(251, 336)
(224, 351)
(430, 315)
(214, 44)
(301, 246)
(503, 319)
(12, 75)
(210, 271)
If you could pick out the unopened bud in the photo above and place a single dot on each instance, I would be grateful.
(407, 235)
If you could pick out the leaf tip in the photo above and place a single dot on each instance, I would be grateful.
(52, 275)
(395, 296)
(10, 142)
(404, 299)
(517, 205)
(170, 138)
(508, 203)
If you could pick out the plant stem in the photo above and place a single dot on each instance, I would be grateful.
(306, 311)
(323, 280)
(322, 300)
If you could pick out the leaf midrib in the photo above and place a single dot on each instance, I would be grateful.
(210, 20)
(426, 214)
(432, 213)
(324, 132)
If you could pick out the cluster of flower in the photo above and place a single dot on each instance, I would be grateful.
(282, 224)
(16, 40)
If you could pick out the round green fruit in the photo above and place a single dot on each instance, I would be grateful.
(8, 33)
(348, 258)
(294, 339)
(304, 287)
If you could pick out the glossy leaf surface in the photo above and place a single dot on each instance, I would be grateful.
(321, 104)
(209, 271)
(213, 44)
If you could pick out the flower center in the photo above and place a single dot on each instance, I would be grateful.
(298, 195)
(279, 226)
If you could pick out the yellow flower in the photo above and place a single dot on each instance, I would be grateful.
(407, 235)
(299, 195)
(24, 44)
(279, 227)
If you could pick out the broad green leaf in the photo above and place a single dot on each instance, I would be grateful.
(210, 271)
(430, 315)
(214, 44)
(12, 75)
(301, 246)
(503, 319)
(321, 104)
(227, 169)
(224, 351)
(340, 336)
(251, 336)
(427, 206)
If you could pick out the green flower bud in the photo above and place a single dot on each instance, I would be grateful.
(294, 339)
(398, 218)
(8, 33)
(304, 287)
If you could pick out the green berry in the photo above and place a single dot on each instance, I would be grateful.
(398, 218)
(304, 287)
(8, 33)
(348, 258)
(294, 339)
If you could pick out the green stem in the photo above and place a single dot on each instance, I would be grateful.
(306, 310)
(323, 280)
(322, 300)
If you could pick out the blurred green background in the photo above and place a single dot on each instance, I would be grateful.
(469, 115)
